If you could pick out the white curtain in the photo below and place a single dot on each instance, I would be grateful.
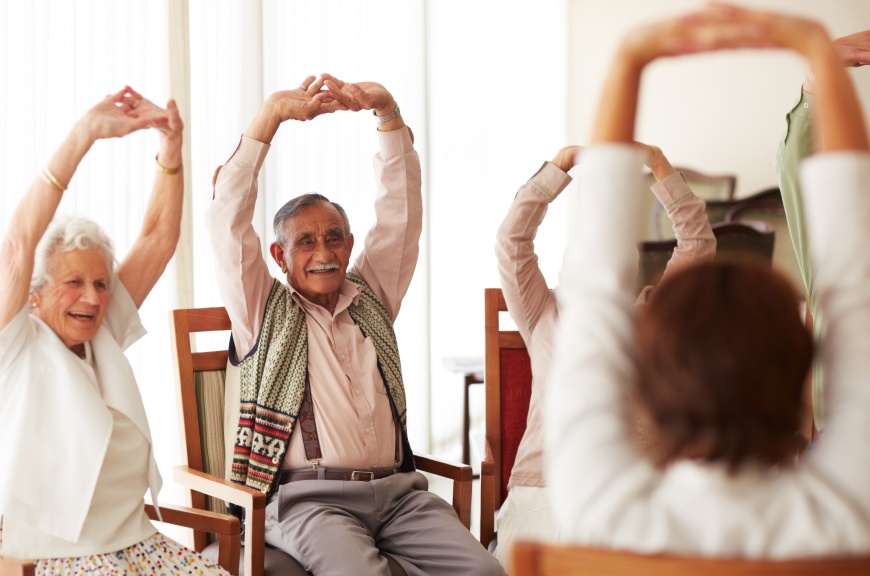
(481, 87)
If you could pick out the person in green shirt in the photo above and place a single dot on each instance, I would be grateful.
(795, 144)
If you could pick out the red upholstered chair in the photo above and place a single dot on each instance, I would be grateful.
(508, 384)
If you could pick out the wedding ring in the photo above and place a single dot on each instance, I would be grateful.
(134, 103)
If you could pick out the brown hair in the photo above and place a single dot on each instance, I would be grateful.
(723, 357)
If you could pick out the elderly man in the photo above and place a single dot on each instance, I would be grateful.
(320, 352)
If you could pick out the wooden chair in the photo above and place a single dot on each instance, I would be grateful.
(538, 559)
(716, 190)
(201, 381)
(224, 526)
(732, 239)
(508, 383)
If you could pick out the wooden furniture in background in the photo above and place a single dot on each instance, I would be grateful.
(538, 559)
(508, 384)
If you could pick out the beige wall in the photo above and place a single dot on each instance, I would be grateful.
(718, 113)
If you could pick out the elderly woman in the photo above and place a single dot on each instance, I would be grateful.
(719, 356)
(75, 438)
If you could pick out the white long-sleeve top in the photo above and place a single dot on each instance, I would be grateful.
(604, 492)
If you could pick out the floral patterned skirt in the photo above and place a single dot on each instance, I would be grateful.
(155, 556)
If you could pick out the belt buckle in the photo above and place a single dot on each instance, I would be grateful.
(356, 475)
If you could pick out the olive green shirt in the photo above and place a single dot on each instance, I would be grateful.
(797, 143)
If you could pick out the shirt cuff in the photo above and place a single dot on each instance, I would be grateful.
(549, 181)
(395, 142)
(672, 191)
(250, 152)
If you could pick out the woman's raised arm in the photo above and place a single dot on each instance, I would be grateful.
(113, 117)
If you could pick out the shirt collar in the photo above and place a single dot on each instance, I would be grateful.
(348, 294)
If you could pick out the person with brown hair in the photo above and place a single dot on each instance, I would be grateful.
(718, 358)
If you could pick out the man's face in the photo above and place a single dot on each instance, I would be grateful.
(317, 253)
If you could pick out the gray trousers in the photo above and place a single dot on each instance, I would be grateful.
(337, 528)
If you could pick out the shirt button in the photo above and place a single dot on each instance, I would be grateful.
(368, 430)
(806, 104)
(343, 357)
(358, 391)
(275, 460)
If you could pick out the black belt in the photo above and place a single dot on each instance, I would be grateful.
(348, 475)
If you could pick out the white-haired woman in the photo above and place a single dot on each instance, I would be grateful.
(75, 441)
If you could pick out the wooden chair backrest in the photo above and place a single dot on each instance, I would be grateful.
(716, 190)
(767, 206)
(732, 239)
(508, 384)
(538, 559)
(196, 389)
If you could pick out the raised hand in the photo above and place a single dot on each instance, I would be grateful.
(340, 95)
(119, 114)
(167, 122)
(656, 161)
(854, 49)
(565, 158)
(305, 102)
(300, 103)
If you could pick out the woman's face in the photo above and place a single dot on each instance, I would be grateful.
(73, 301)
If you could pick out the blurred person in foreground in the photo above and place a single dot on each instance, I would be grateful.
(718, 358)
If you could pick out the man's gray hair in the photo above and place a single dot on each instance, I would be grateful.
(296, 205)
(64, 234)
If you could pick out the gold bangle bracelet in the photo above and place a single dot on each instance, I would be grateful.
(51, 179)
(165, 170)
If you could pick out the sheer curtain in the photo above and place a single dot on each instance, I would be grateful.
(241, 53)
(481, 87)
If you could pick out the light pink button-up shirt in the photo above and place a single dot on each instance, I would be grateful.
(532, 304)
(351, 404)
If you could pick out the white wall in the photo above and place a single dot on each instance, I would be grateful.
(497, 103)
(719, 113)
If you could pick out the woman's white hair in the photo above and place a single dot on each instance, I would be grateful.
(64, 234)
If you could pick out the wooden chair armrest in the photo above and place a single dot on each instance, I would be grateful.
(226, 526)
(12, 567)
(487, 465)
(443, 467)
(204, 520)
(247, 498)
(461, 476)
(487, 497)
(253, 501)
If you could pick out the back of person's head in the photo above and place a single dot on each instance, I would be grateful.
(66, 233)
(723, 357)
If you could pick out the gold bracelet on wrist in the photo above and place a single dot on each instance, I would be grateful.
(51, 179)
(165, 170)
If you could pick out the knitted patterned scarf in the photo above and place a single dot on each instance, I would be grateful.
(272, 381)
